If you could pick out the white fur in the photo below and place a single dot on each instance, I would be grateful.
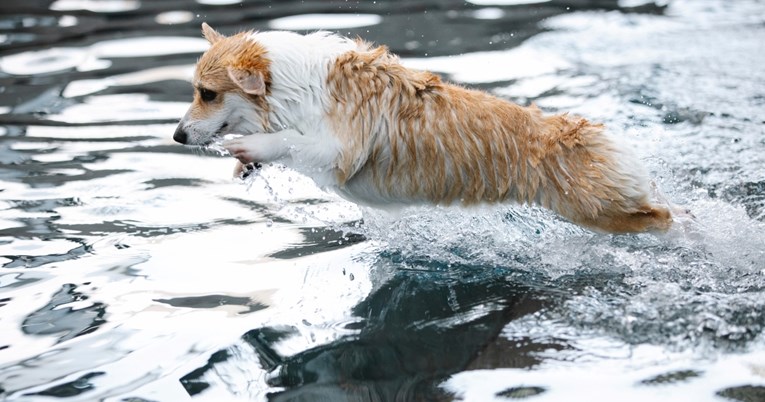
(299, 68)
(297, 132)
(242, 116)
(290, 147)
(201, 132)
(239, 115)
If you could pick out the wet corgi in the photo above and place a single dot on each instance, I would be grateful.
(355, 120)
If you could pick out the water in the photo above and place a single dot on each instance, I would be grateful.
(133, 269)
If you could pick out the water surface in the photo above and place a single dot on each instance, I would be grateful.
(133, 269)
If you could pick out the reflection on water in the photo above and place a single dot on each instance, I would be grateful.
(134, 269)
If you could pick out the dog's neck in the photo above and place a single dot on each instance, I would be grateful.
(299, 67)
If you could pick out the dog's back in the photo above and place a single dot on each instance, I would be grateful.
(408, 137)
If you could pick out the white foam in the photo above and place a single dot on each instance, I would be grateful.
(484, 67)
(219, 2)
(324, 21)
(174, 17)
(112, 6)
(123, 107)
(86, 87)
(94, 57)
(489, 13)
(505, 2)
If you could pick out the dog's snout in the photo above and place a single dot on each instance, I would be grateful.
(180, 135)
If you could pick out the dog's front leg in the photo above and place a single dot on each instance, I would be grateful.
(262, 148)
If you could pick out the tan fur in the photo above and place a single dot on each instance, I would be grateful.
(421, 139)
(414, 138)
(212, 70)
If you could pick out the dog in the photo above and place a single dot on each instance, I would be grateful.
(354, 119)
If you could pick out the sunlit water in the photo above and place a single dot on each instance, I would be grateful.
(132, 269)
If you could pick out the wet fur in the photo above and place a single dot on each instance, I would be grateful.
(349, 115)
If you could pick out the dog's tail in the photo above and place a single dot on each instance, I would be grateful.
(592, 179)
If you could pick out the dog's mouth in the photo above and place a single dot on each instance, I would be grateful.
(215, 138)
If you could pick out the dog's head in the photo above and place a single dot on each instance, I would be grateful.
(231, 82)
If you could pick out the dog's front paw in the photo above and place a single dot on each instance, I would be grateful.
(260, 147)
(243, 171)
(240, 149)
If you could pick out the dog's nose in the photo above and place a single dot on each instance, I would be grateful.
(180, 135)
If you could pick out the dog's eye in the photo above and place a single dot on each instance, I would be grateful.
(207, 95)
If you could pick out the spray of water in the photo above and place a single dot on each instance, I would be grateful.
(702, 284)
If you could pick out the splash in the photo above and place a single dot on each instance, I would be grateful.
(701, 286)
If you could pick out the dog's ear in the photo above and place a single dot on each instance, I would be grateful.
(251, 82)
(210, 34)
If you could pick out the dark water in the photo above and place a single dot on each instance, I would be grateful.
(133, 269)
